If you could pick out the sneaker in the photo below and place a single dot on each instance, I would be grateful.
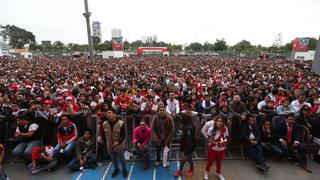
(305, 167)
(99, 164)
(266, 166)
(262, 167)
(206, 175)
(115, 173)
(220, 177)
(36, 171)
(189, 173)
(166, 165)
(178, 173)
(124, 173)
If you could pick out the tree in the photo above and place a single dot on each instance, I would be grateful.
(242, 46)
(277, 41)
(220, 45)
(105, 46)
(312, 44)
(195, 46)
(17, 37)
(96, 41)
(58, 46)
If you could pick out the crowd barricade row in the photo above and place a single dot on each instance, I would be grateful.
(131, 121)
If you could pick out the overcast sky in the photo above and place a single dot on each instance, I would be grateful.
(175, 21)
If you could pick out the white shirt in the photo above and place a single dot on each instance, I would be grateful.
(295, 106)
(32, 127)
(206, 127)
(173, 107)
(216, 136)
(260, 104)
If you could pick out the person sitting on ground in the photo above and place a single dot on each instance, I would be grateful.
(251, 140)
(42, 159)
(288, 135)
(85, 148)
(141, 140)
(217, 137)
(29, 134)
(187, 144)
(66, 136)
(268, 139)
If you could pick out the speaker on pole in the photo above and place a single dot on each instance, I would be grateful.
(316, 61)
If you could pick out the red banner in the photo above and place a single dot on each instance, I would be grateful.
(117, 44)
(300, 44)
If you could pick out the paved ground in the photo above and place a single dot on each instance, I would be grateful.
(232, 170)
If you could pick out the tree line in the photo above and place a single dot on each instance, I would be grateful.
(19, 37)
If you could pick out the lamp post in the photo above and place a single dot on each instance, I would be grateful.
(87, 16)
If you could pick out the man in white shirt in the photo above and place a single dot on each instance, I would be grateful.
(263, 103)
(297, 104)
(172, 105)
(206, 127)
(29, 135)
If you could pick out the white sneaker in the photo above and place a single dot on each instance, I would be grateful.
(206, 175)
(221, 177)
(166, 165)
(99, 164)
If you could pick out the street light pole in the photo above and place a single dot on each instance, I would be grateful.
(87, 16)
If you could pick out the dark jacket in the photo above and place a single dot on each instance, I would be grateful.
(84, 150)
(269, 138)
(245, 132)
(282, 132)
(238, 109)
(188, 140)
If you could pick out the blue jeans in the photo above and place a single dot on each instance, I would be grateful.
(272, 148)
(68, 150)
(3, 174)
(289, 151)
(25, 148)
(117, 156)
(256, 152)
(182, 162)
(75, 163)
(144, 152)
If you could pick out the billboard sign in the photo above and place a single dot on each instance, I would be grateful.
(300, 44)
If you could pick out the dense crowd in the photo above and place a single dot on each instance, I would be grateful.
(48, 105)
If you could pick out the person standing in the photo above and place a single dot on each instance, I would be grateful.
(217, 137)
(115, 136)
(162, 132)
(187, 144)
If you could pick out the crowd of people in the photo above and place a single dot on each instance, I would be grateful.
(47, 106)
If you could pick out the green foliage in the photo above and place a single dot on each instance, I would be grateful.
(17, 37)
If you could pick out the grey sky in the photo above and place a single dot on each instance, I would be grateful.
(176, 21)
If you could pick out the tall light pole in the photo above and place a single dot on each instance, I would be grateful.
(87, 16)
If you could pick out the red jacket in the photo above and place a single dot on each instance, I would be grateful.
(67, 135)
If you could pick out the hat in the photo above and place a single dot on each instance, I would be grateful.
(28, 87)
(68, 98)
(281, 89)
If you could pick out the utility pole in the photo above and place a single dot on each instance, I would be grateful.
(87, 15)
